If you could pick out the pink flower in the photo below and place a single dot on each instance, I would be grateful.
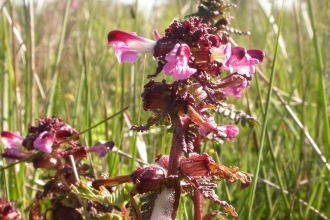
(233, 84)
(11, 140)
(44, 142)
(128, 45)
(101, 149)
(13, 154)
(177, 62)
(243, 61)
(207, 126)
(230, 130)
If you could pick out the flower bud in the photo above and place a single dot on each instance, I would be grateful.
(48, 163)
(149, 178)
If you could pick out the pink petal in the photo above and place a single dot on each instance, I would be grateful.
(157, 35)
(257, 54)
(177, 62)
(241, 62)
(163, 161)
(44, 142)
(128, 45)
(124, 53)
(238, 52)
(13, 154)
(207, 127)
(231, 131)
(11, 140)
(101, 149)
(234, 84)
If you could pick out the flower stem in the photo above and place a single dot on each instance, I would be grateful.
(198, 205)
(181, 125)
(198, 197)
(175, 155)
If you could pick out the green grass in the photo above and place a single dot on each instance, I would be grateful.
(65, 67)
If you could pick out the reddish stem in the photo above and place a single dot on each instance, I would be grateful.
(181, 125)
(198, 205)
(175, 155)
(198, 197)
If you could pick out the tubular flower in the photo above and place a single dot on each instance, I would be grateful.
(243, 62)
(44, 142)
(177, 62)
(11, 140)
(231, 131)
(128, 45)
(101, 148)
(13, 154)
(207, 125)
(232, 85)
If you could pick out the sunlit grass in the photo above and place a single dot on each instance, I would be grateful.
(73, 74)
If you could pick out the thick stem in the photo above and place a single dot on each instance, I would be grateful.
(175, 154)
(198, 197)
(198, 205)
(174, 160)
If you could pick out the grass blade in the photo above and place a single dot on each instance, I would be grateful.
(265, 119)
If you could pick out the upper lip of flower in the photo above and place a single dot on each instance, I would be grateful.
(136, 43)
(128, 45)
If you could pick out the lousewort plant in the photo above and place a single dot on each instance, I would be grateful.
(49, 146)
(206, 70)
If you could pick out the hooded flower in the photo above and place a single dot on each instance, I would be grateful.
(128, 45)
(243, 61)
(44, 142)
(11, 140)
(101, 148)
(231, 131)
(232, 85)
(206, 125)
(177, 62)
